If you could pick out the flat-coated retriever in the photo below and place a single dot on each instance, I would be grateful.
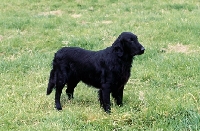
(107, 69)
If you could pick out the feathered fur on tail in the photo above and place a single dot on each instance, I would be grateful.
(52, 79)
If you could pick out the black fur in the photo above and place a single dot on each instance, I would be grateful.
(108, 69)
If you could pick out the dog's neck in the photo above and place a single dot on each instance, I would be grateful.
(127, 58)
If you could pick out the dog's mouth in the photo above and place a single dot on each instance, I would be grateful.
(140, 52)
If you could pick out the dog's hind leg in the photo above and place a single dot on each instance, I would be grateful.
(100, 98)
(57, 97)
(70, 88)
(60, 83)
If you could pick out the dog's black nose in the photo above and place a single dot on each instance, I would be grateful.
(142, 49)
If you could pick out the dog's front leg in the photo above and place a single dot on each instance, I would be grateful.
(120, 96)
(106, 97)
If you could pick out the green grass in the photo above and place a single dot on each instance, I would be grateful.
(163, 92)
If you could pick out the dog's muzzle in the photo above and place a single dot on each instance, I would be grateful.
(142, 50)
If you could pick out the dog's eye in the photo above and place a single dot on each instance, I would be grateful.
(131, 39)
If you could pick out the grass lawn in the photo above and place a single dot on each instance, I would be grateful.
(163, 92)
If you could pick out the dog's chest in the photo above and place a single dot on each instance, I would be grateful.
(121, 74)
(125, 74)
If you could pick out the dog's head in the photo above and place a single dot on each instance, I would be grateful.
(127, 43)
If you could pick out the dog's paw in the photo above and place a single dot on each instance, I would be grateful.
(107, 109)
(108, 112)
(70, 96)
(58, 107)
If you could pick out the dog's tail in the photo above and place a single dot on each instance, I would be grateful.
(52, 79)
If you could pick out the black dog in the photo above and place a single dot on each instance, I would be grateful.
(107, 70)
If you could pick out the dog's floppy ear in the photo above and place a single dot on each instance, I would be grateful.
(118, 46)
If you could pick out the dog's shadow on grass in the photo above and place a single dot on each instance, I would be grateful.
(78, 101)
(86, 101)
